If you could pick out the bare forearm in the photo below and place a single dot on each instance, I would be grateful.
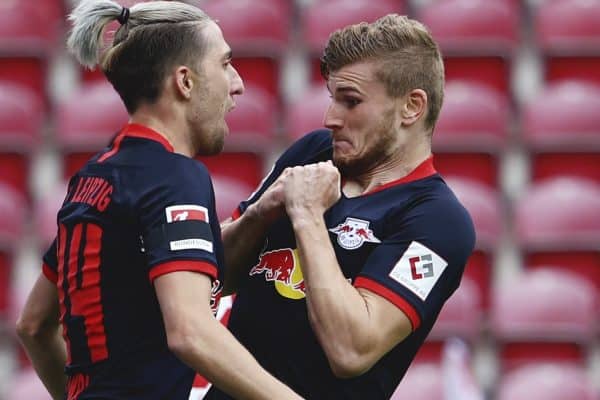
(227, 364)
(337, 311)
(242, 241)
(48, 355)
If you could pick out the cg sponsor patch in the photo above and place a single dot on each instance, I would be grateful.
(418, 269)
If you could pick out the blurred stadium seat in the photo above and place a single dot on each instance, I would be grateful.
(547, 314)
(228, 194)
(461, 315)
(561, 126)
(243, 167)
(28, 37)
(477, 38)
(21, 117)
(257, 32)
(419, 384)
(471, 132)
(558, 223)
(547, 382)
(483, 204)
(307, 113)
(253, 122)
(568, 35)
(44, 215)
(322, 18)
(13, 211)
(27, 385)
(81, 133)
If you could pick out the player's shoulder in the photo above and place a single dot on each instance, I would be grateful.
(442, 213)
(314, 146)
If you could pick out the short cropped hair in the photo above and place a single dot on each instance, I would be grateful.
(410, 58)
(153, 38)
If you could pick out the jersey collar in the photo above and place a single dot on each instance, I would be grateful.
(423, 170)
(141, 131)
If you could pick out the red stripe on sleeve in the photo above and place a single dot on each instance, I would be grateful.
(394, 298)
(184, 265)
(50, 273)
(236, 214)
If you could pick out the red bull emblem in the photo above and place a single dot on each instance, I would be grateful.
(353, 233)
(282, 267)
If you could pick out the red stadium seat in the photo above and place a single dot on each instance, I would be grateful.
(484, 207)
(421, 382)
(562, 129)
(547, 382)
(252, 124)
(321, 19)
(558, 223)
(12, 209)
(257, 33)
(228, 194)
(28, 33)
(569, 36)
(21, 116)
(45, 214)
(470, 135)
(307, 113)
(243, 167)
(533, 324)
(461, 315)
(81, 132)
(477, 38)
(27, 385)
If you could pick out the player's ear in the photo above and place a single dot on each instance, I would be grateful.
(413, 106)
(184, 82)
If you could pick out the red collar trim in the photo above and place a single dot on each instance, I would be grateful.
(423, 170)
(141, 131)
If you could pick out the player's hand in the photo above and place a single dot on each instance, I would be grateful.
(271, 205)
(311, 189)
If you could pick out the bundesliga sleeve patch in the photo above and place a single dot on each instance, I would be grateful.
(418, 269)
(186, 213)
(187, 228)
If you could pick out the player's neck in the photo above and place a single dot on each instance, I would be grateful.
(166, 125)
(384, 173)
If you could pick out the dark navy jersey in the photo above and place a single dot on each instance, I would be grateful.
(134, 212)
(407, 241)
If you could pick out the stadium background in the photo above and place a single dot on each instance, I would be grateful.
(518, 140)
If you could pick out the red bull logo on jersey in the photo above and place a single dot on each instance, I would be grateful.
(282, 266)
(186, 212)
(353, 233)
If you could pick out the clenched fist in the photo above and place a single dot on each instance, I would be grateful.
(311, 189)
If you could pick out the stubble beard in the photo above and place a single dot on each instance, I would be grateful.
(379, 152)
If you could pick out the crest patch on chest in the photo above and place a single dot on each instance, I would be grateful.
(352, 233)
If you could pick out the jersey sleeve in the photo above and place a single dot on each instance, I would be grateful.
(50, 263)
(180, 230)
(313, 147)
(420, 262)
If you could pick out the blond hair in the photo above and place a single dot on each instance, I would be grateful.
(409, 57)
(156, 36)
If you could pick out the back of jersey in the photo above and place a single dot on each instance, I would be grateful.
(108, 251)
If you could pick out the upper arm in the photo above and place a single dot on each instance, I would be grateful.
(184, 299)
(391, 325)
(41, 311)
(420, 264)
(178, 223)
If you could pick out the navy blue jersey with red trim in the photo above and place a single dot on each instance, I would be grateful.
(134, 212)
(407, 241)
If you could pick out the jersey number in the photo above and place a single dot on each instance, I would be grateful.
(79, 291)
